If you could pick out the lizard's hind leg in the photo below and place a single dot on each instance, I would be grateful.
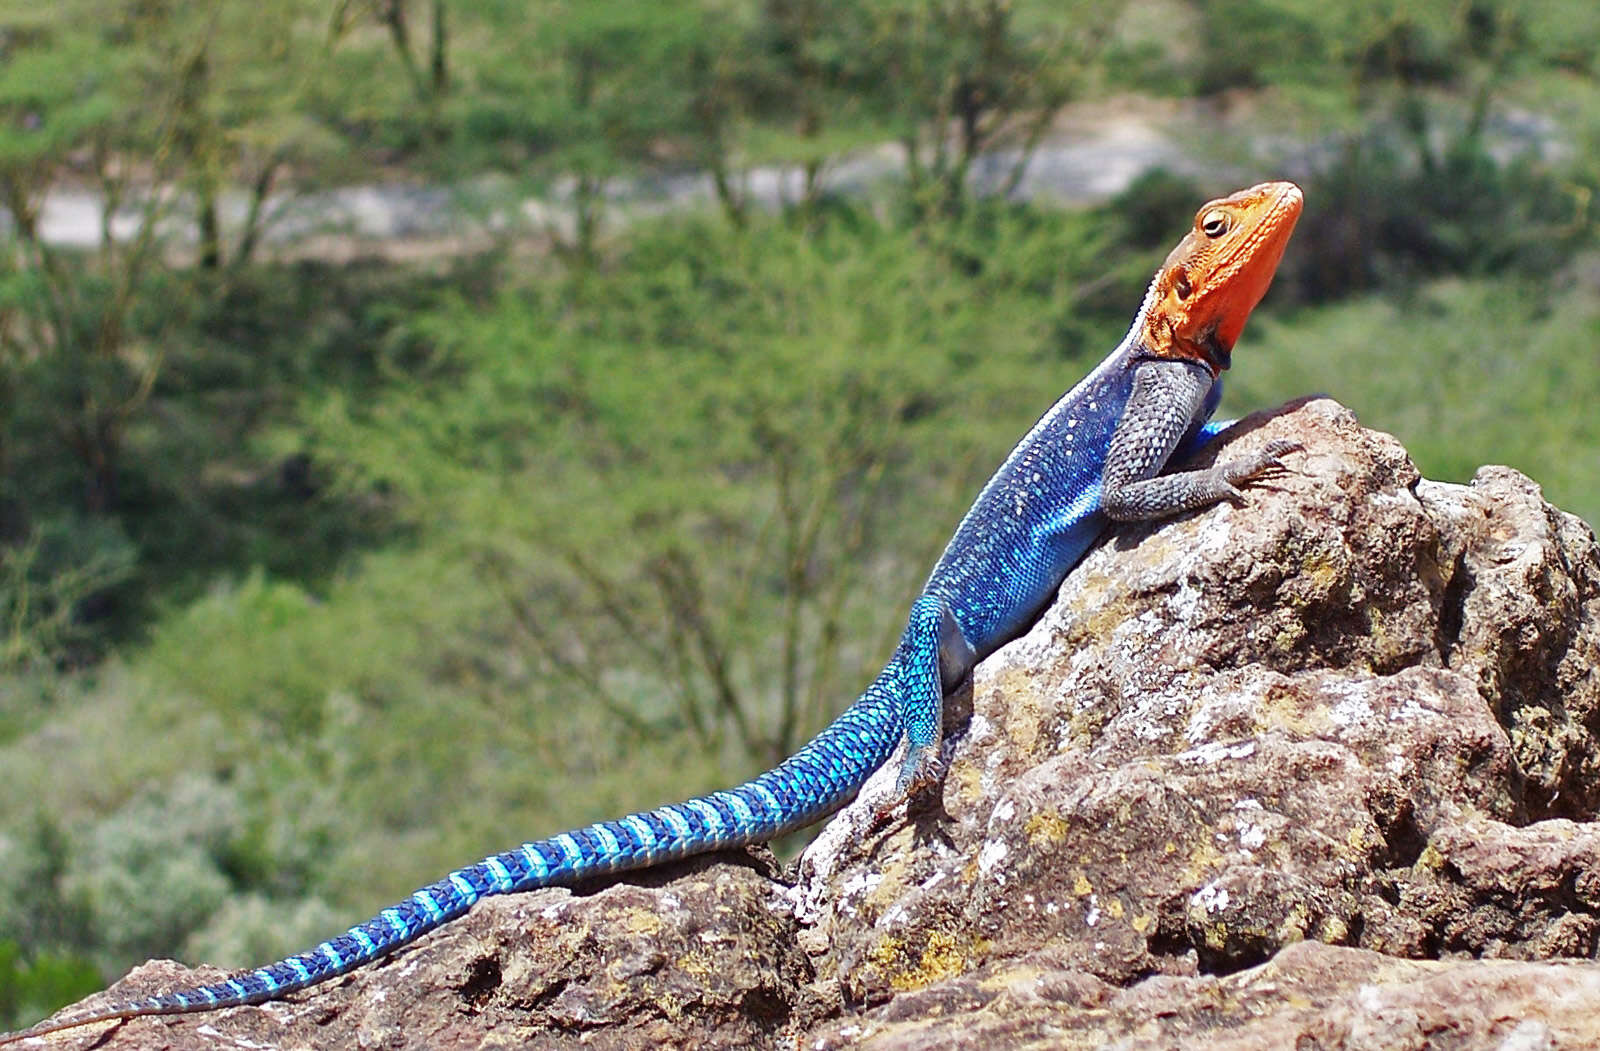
(934, 658)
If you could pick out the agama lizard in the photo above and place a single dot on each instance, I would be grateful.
(1094, 457)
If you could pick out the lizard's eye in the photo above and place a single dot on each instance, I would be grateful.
(1214, 224)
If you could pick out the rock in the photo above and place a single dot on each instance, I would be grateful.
(1317, 770)
(697, 955)
(1330, 714)
(1309, 995)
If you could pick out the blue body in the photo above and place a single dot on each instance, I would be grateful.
(1031, 524)
(1040, 511)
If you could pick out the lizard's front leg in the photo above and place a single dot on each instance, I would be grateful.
(1167, 398)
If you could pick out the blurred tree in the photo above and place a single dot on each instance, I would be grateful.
(66, 96)
(141, 100)
(806, 55)
(1417, 188)
(585, 93)
(238, 77)
(428, 84)
(954, 79)
(156, 108)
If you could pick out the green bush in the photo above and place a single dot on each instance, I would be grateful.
(148, 873)
(33, 986)
(57, 584)
(1385, 214)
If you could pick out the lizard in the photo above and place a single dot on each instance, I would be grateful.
(1095, 457)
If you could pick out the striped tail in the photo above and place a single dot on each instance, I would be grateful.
(817, 780)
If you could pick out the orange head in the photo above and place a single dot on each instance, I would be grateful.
(1200, 298)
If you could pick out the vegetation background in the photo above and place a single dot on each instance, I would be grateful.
(328, 565)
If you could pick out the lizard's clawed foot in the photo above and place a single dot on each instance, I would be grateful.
(1264, 464)
(918, 772)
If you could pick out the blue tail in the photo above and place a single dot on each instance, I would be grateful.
(817, 780)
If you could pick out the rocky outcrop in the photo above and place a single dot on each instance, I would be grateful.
(1319, 770)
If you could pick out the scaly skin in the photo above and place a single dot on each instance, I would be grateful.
(1095, 456)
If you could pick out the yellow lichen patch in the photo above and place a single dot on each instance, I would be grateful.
(1114, 908)
(888, 955)
(1081, 886)
(1361, 839)
(1318, 574)
(1294, 926)
(700, 964)
(1022, 719)
(1204, 861)
(1333, 930)
(1109, 612)
(965, 782)
(941, 957)
(1213, 935)
(671, 1006)
(641, 921)
(1430, 860)
(1046, 830)
(1143, 922)
(1288, 636)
